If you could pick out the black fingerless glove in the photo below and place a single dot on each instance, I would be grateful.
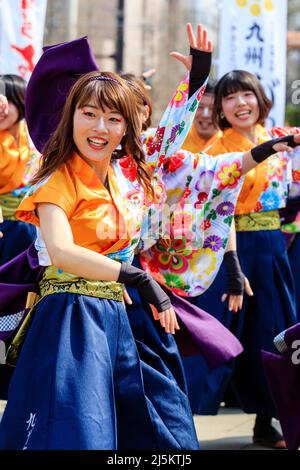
(200, 69)
(149, 289)
(265, 150)
(235, 276)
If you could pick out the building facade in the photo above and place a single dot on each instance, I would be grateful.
(135, 35)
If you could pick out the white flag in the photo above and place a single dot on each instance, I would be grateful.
(21, 35)
(253, 37)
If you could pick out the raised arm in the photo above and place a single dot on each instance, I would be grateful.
(178, 117)
(198, 62)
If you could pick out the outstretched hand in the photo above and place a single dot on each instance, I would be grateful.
(284, 147)
(200, 42)
(167, 319)
(235, 302)
(146, 76)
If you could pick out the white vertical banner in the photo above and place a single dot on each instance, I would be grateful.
(21, 35)
(253, 37)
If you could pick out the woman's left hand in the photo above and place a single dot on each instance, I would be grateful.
(284, 147)
(235, 302)
(167, 318)
(200, 42)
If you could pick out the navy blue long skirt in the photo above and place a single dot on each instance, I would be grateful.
(17, 236)
(206, 387)
(272, 309)
(81, 384)
(151, 336)
(264, 261)
(294, 257)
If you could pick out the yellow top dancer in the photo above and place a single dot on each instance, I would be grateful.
(241, 107)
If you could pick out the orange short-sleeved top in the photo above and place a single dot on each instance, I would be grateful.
(14, 159)
(194, 143)
(265, 187)
(98, 217)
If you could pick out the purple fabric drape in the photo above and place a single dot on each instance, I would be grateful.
(17, 277)
(203, 334)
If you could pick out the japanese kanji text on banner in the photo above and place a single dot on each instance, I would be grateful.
(21, 35)
(253, 38)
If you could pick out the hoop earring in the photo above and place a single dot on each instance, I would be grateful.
(222, 115)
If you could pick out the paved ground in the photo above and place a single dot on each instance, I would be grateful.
(229, 430)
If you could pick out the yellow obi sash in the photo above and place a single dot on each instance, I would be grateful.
(255, 221)
(9, 204)
(56, 281)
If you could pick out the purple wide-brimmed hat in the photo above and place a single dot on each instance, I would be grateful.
(51, 80)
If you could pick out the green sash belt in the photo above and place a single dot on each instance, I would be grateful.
(256, 221)
(9, 204)
(56, 281)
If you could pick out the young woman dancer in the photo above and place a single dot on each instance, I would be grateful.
(241, 108)
(18, 161)
(96, 213)
(159, 258)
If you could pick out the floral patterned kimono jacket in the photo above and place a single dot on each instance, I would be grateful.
(263, 257)
(82, 324)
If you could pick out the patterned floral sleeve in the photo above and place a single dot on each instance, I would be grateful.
(194, 226)
(174, 124)
(294, 157)
(290, 215)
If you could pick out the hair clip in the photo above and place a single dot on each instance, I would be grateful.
(102, 77)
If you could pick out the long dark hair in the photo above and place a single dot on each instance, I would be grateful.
(111, 91)
(14, 87)
(239, 80)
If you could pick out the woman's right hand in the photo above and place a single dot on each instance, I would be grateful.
(167, 318)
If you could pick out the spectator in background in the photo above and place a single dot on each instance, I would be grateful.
(203, 131)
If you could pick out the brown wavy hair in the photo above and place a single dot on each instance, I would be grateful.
(239, 80)
(141, 92)
(114, 93)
